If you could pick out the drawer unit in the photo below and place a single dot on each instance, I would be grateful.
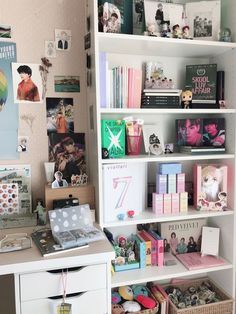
(49, 284)
(90, 302)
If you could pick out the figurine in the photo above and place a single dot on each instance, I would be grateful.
(41, 213)
(185, 32)
(225, 35)
(165, 32)
(151, 30)
(186, 99)
(59, 182)
(176, 31)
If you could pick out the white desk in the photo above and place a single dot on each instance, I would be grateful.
(35, 287)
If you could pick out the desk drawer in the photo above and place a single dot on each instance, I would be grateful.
(49, 284)
(88, 302)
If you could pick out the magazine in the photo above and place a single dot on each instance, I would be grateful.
(47, 246)
(195, 260)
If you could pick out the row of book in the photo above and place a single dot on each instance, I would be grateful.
(120, 87)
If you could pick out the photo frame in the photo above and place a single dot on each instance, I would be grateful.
(210, 187)
(153, 139)
(204, 19)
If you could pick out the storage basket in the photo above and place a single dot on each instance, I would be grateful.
(222, 307)
(147, 311)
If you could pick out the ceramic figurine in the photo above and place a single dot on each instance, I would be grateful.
(225, 35)
(41, 213)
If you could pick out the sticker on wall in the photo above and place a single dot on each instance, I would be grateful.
(67, 84)
(5, 31)
(63, 39)
(50, 49)
(87, 41)
(23, 144)
(60, 115)
(9, 200)
(27, 82)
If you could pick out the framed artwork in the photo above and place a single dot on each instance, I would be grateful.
(204, 19)
(210, 187)
(63, 39)
(67, 84)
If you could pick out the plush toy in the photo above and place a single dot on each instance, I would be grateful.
(186, 99)
(139, 289)
(126, 293)
(211, 181)
(145, 301)
(115, 297)
(117, 309)
(131, 306)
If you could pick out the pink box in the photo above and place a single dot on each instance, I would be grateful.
(167, 203)
(175, 203)
(183, 202)
(161, 187)
(180, 182)
(210, 187)
(157, 203)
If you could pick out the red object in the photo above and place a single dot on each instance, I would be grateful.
(145, 301)
(130, 213)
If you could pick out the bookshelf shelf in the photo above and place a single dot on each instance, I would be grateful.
(155, 273)
(174, 54)
(139, 45)
(148, 216)
(168, 158)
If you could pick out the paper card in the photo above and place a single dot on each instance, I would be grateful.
(9, 200)
(210, 241)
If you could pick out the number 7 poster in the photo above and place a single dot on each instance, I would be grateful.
(124, 189)
(8, 110)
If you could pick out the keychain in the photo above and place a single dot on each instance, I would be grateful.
(64, 308)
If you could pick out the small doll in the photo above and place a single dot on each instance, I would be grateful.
(185, 32)
(186, 99)
(176, 32)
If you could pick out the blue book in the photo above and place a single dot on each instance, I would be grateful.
(140, 250)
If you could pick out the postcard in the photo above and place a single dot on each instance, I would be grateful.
(63, 39)
(5, 31)
(50, 49)
(67, 84)
(60, 115)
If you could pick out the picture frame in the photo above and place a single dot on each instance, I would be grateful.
(204, 19)
(153, 139)
(170, 13)
(210, 187)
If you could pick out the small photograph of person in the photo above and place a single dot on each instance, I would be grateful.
(22, 143)
(111, 18)
(214, 132)
(63, 39)
(189, 132)
(27, 83)
(59, 182)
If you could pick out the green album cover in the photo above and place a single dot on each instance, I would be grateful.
(113, 137)
(201, 80)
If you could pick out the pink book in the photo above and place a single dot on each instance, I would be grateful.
(146, 236)
(134, 88)
(159, 247)
(195, 260)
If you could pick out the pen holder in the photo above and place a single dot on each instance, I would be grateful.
(134, 144)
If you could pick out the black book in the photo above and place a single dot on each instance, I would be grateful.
(47, 246)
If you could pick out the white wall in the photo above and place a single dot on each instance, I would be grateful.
(33, 22)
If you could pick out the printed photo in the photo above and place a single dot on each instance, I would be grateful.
(138, 17)
(67, 84)
(50, 49)
(5, 31)
(109, 18)
(27, 82)
(189, 132)
(214, 132)
(63, 39)
(204, 19)
(162, 16)
(60, 115)
(68, 153)
(23, 144)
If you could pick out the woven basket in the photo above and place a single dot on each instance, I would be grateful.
(223, 307)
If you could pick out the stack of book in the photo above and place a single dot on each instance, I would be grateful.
(161, 98)
(201, 149)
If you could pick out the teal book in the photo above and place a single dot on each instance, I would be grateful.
(140, 250)
(115, 16)
(113, 137)
(201, 79)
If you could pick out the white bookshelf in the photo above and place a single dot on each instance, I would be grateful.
(123, 49)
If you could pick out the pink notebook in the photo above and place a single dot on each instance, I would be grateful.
(194, 260)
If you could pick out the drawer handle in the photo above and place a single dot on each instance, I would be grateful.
(70, 295)
(59, 271)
